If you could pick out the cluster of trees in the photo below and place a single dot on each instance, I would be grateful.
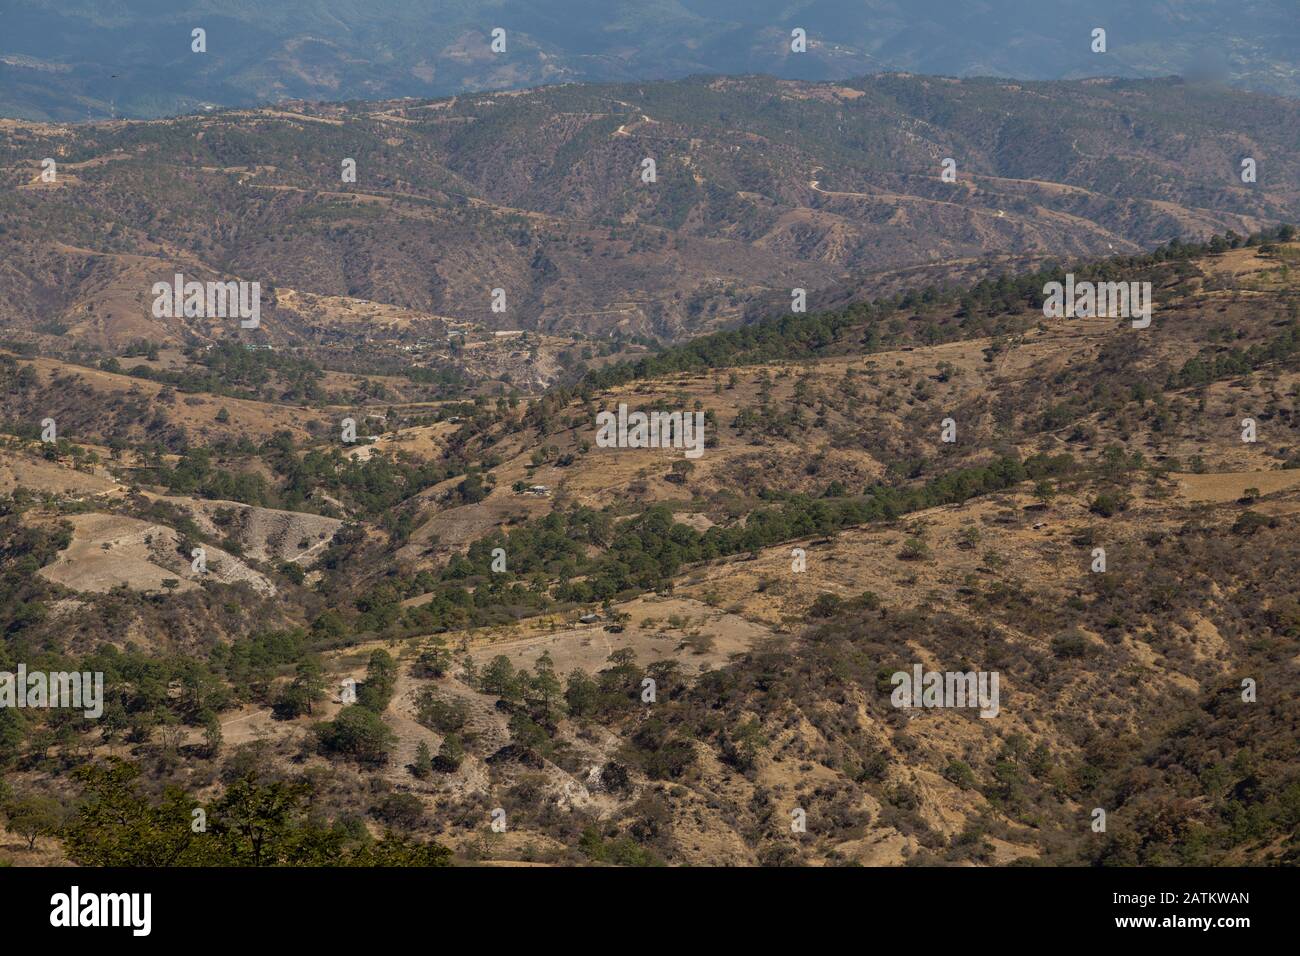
(370, 488)
(1212, 365)
(937, 315)
(451, 605)
(141, 703)
(253, 823)
(196, 475)
(537, 700)
(24, 549)
(448, 716)
(787, 337)
(644, 552)
(229, 368)
(153, 698)
(583, 556)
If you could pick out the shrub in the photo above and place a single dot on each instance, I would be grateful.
(958, 772)
(914, 549)
(1107, 504)
(1072, 643)
(825, 606)
(402, 810)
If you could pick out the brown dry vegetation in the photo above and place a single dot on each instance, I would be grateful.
(1120, 689)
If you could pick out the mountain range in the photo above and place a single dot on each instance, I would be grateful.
(761, 186)
(78, 59)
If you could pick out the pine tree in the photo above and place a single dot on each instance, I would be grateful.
(423, 765)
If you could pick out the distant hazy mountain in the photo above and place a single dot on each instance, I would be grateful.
(71, 59)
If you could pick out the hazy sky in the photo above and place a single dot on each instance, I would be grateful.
(63, 59)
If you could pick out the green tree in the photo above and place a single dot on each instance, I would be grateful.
(11, 735)
(256, 823)
(499, 679)
(114, 825)
(381, 681)
(33, 816)
(1044, 491)
(402, 810)
(423, 764)
(547, 690)
(582, 694)
(212, 737)
(432, 662)
(356, 732)
(450, 754)
(303, 692)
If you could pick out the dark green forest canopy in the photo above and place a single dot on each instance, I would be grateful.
(991, 306)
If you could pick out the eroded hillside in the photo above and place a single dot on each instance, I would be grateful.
(759, 186)
(502, 586)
